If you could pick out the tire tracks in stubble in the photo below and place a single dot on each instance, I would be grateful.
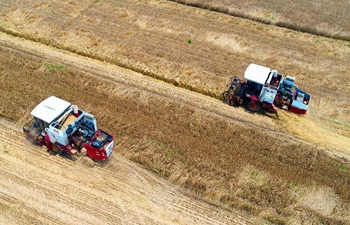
(79, 195)
(11, 206)
(49, 187)
(48, 184)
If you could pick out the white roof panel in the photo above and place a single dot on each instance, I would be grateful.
(50, 109)
(257, 74)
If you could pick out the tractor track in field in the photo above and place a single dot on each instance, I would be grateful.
(29, 183)
(66, 20)
(177, 203)
(33, 215)
(48, 185)
(42, 189)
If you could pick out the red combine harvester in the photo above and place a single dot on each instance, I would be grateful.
(64, 128)
(265, 88)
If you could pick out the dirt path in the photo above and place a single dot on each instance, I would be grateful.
(39, 188)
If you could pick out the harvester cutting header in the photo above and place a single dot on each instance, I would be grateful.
(64, 128)
(265, 88)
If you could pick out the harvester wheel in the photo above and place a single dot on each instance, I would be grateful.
(254, 106)
(227, 96)
(54, 150)
(88, 162)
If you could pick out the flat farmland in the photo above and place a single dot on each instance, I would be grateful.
(322, 17)
(151, 37)
(152, 73)
(39, 188)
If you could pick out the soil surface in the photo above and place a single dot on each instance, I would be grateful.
(39, 188)
(322, 17)
(152, 73)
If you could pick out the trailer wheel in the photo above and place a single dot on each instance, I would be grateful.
(254, 106)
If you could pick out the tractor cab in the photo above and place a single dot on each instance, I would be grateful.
(262, 83)
(48, 110)
(43, 115)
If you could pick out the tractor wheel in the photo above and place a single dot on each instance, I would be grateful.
(227, 96)
(254, 106)
(88, 162)
(54, 150)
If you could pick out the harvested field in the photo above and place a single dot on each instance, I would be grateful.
(323, 17)
(182, 136)
(39, 188)
(283, 168)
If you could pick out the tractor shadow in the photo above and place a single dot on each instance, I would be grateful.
(78, 158)
(263, 112)
(62, 154)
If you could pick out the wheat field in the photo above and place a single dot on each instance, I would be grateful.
(206, 153)
(324, 18)
(267, 165)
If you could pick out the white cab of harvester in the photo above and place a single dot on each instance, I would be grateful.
(263, 76)
(50, 109)
(257, 74)
(58, 119)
